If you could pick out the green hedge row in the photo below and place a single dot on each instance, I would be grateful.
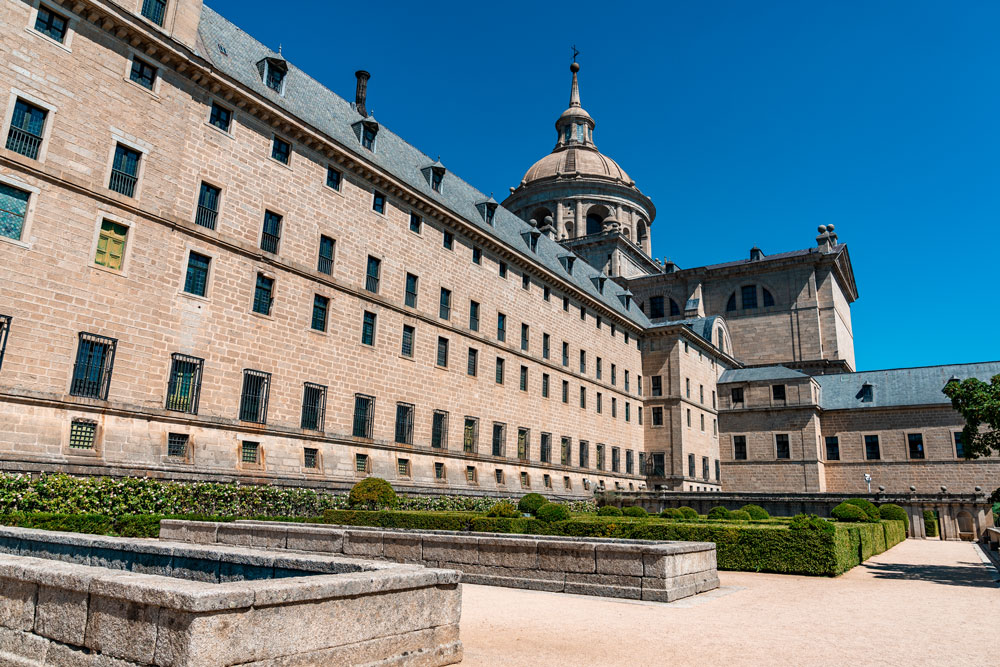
(128, 525)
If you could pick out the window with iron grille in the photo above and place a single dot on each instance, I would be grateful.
(82, 434)
(615, 459)
(404, 423)
(220, 117)
(254, 397)
(629, 461)
(208, 206)
(142, 73)
(739, 447)
(372, 274)
(501, 327)
(403, 467)
(704, 467)
(111, 242)
(313, 406)
(448, 240)
(498, 475)
(196, 279)
(281, 150)
(470, 435)
(154, 10)
(832, 448)
(916, 445)
(565, 354)
(51, 24)
(4, 331)
(25, 133)
(565, 391)
(410, 293)
(445, 310)
(416, 224)
(545, 448)
(271, 235)
(691, 465)
(326, 247)
(439, 471)
(524, 378)
(368, 329)
(782, 449)
(474, 316)
(13, 210)
(547, 481)
(523, 444)
(600, 457)
(545, 385)
(378, 202)
(565, 450)
(499, 373)
(470, 474)
(263, 294)
(439, 430)
(310, 458)
(362, 463)
(364, 416)
(407, 345)
(525, 480)
(95, 359)
(442, 353)
(477, 255)
(524, 337)
(177, 444)
(333, 178)
(473, 361)
(321, 306)
(499, 439)
(184, 385)
(250, 452)
(124, 170)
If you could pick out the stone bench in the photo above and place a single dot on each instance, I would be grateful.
(636, 569)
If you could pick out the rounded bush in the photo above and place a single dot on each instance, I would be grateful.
(372, 493)
(756, 512)
(609, 510)
(671, 513)
(810, 522)
(866, 506)
(504, 510)
(892, 511)
(739, 515)
(635, 511)
(688, 512)
(718, 512)
(848, 512)
(530, 503)
(552, 512)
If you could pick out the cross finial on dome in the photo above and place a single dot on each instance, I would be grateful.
(574, 93)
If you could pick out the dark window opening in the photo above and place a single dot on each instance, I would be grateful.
(254, 397)
(313, 407)
(184, 385)
(95, 358)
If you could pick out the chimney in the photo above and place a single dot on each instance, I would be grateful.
(362, 92)
(827, 239)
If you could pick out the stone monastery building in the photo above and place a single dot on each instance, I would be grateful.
(184, 293)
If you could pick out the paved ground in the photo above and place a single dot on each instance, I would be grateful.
(920, 603)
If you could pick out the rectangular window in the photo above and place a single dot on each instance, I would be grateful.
(524, 378)
(95, 359)
(361, 463)
(404, 423)
(584, 454)
(737, 396)
(832, 449)
(254, 396)
(739, 448)
(13, 209)
(220, 117)
(614, 407)
(545, 448)
(657, 416)
(615, 459)
(600, 457)
(333, 178)
(655, 307)
(545, 346)
(583, 397)
(498, 474)
(439, 471)
(50, 24)
(263, 295)
(470, 435)
(545, 385)
(208, 206)
(656, 383)
(639, 411)
(368, 134)
(470, 474)
(368, 329)
(313, 406)
(704, 467)
(782, 449)
(364, 416)
(749, 294)
(499, 373)
(524, 337)
(523, 444)
(565, 450)
(565, 391)
(525, 281)
(473, 366)
(597, 368)
(600, 404)
(629, 462)
(326, 247)
(499, 439)
(546, 292)
(525, 480)
(659, 464)
(321, 305)
(416, 223)
(916, 444)
(407, 346)
(628, 411)
(271, 235)
(177, 444)
(250, 452)
(410, 295)
(142, 73)
(565, 354)
(26, 125)
(702, 417)
(439, 430)
(778, 392)
(701, 394)
(718, 470)
(477, 255)
(689, 418)
(111, 244)
(687, 387)
(442, 352)
(448, 240)
(184, 383)
(583, 361)
(154, 10)
(372, 274)
(281, 150)
(196, 280)
(4, 331)
(310, 458)
(474, 316)
(82, 434)
(959, 442)
(871, 448)
(378, 202)
(445, 310)
(627, 381)
(501, 327)
(566, 304)
(503, 269)
(691, 465)
(403, 467)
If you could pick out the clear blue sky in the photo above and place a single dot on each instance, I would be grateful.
(745, 122)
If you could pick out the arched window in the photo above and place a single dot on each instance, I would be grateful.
(768, 299)
(731, 304)
(594, 224)
(674, 308)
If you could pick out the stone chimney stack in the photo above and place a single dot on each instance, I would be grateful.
(361, 93)
(827, 239)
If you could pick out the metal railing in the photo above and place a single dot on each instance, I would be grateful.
(269, 242)
(254, 397)
(122, 182)
(184, 387)
(325, 265)
(313, 407)
(206, 217)
(95, 359)
(364, 412)
(23, 142)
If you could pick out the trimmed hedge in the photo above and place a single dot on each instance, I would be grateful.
(552, 512)
(457, 521)
(891, 511)
(756, 512)
(671, 513)
(848, 512)
(930, 523)
(530, 503)
(372, 493)
(866, 506)
(609, 510)
(145, 525)
(688, 512)
(739, 515)
(718, 512)
(635, 511)
(505, 509)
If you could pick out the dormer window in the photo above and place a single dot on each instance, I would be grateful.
(154, 10)
(491, 210)
(867, 393)
(531, 238)
(368, 133)
(488, 208)
(599, 282)
(437, 176)
(272, 71)
(567, 262)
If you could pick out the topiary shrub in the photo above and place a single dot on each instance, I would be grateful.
(504, 510)
(866, 506)
(891, 511)
(756, 512)
(671, 513)
(530, 503)
(609, 510)
(739, 515)
(719, 512)
(849, 512)
(635, 511)
(550, 512)
(688, 512)
(372, 493)
(810, 522)
(930, 523)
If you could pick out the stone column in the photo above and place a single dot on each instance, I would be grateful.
(580, 225)
(559, 220)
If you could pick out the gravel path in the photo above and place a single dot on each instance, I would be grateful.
(921, 603)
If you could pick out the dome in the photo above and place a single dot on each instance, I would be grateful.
(573, 162)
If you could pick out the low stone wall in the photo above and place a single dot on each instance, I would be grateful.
(93, 601)
(637, 569)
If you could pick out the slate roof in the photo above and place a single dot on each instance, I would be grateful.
(308, 100)
(768, 258)
(703, 326)
(898, 386)
(760, 374)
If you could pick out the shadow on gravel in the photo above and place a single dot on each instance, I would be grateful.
(962, 574)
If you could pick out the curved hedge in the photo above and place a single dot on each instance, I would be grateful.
(530, 503)
(688, 512)
(891, 511)
(739, 515)
(372, 493)
(718, 512)
(552, 512)
(635, 511)
(609, 510)
(865, 506)
(848, 512)
(756, 512)
(671, 513)
(504, 509)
